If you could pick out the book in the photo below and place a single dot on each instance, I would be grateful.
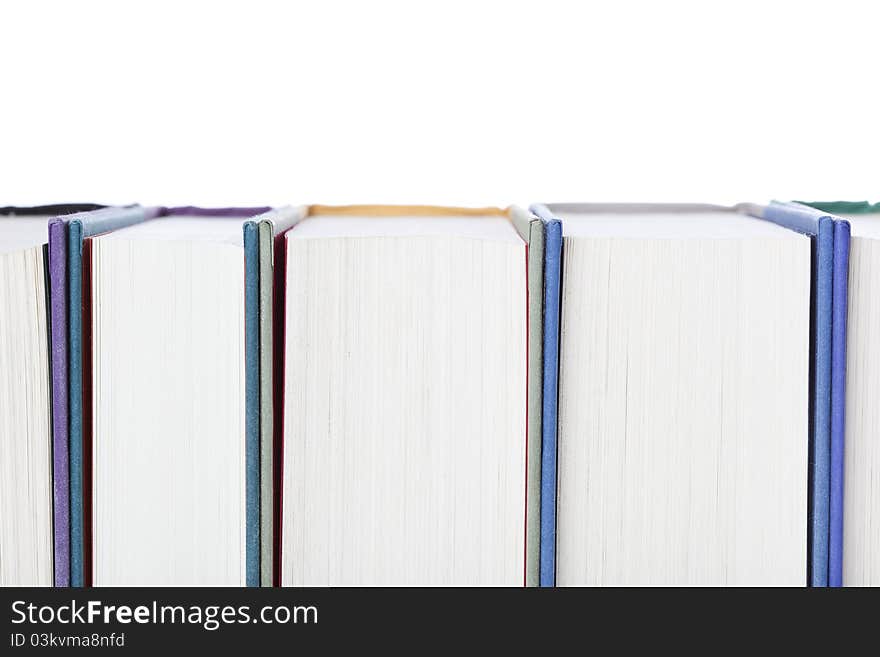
(830, 236)
(70, 292)
(684, 395)
(265, 260)
(177, 382)
(853, 550)
(27, 488)
(550, 392)
(413, 383)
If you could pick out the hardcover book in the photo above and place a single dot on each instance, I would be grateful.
(684, 395)
(70, 293)
(830, 236)
(28, 533)
(110, 437)
(853, 555)
(265, 267)
(414, 365)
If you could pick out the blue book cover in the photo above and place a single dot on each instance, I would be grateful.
(550, 397)
(840, 296)
(831, 237)
(252, 402)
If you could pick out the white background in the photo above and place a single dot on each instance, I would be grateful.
(452, 102)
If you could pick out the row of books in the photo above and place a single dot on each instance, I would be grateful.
(573, 394)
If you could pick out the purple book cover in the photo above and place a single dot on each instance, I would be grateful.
(195, 211)
(58, 332)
